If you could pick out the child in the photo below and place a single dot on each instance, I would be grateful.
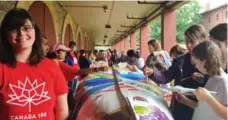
(207, 58)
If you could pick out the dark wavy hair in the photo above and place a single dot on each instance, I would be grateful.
(15, 19)
(72, 44)
(218, 35)
(211, 53)
(219, 32)
(132, 53)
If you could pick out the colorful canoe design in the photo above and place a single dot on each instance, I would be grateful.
(96, 97)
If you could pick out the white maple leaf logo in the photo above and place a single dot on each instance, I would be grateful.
(28, 93)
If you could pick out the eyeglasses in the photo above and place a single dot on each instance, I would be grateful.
(26, 28)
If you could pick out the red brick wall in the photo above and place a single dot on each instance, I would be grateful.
(168, 30)
(127, 43)
(43, 18)
(122, 45)
(145, 35)
(212, 15)
(79, 41)
(68, 35)
(133, 41)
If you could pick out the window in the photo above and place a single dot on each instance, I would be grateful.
(217, 16)
(209, 19)
(226, 14)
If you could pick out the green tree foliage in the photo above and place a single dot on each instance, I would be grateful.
(155, 27)
(138, 36)
(186, 16)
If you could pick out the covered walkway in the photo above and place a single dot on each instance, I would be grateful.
(113, 24)
(106, 23)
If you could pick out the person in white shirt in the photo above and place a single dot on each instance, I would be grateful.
(135, 63)
(207, 58)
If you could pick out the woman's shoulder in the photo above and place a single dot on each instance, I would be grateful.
(1, 64)
(219, 79)
(141, 59)
(160, 53)
(224, 78)
(48, 63)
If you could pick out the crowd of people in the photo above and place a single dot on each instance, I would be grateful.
(28, 63)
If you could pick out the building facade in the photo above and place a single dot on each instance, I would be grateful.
(212, 17)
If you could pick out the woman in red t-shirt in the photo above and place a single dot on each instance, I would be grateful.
(31, 87)
(58, 53)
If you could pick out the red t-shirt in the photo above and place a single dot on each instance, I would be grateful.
(29, 92)
(69, 71)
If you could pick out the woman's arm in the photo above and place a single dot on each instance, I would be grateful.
(184, 100)
(203, 94)
(69, 71)
(60, 90)
(190, 103)
(166, 76)
(61, 108)
(86, 71)
(219, 108)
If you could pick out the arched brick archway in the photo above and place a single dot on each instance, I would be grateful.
(68, 31)
(85, 43)
(42, 15)
(79, 41)
(68, 35)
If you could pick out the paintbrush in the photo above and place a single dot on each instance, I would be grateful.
(185, 78)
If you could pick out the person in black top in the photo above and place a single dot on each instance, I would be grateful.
(123, 57)
(114, 57)
(181, 72)
(133, 61)
(83, 61)
(218, 34)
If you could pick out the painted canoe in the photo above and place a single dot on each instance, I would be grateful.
(97, 97)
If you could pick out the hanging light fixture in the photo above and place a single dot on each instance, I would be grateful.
(104, 7)
(105, 36)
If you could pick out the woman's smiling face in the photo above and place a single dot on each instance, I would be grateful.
(22, 38)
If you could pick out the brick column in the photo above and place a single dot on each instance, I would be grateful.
(133, 41)
(127, 43)
(168, 29)
(121, 45)
(118, 48)
(88, 44)
(85, 43)
(145, 35)
(113, 47)
(92, 45)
